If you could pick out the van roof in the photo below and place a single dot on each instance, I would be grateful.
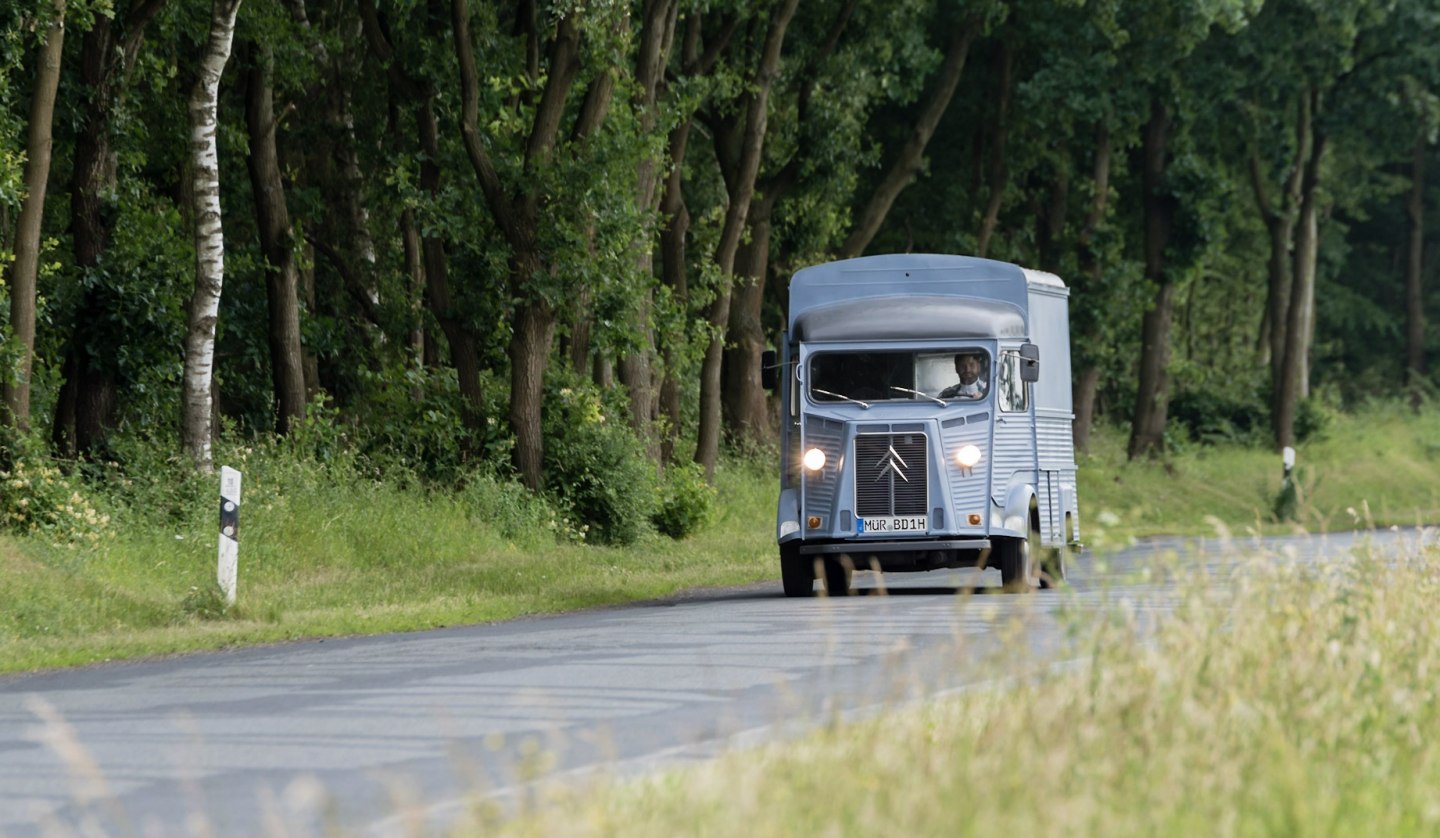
(912, 295)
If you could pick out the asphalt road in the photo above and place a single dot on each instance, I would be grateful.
(375, 734)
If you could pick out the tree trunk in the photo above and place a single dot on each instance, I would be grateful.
(529, 350)
(911, 156)
(272, 221)
(636, 369)
(75, 429)
(1086, 386)
(1280, 224)
(1088, 281)
(1147, 431)
(463, 353)
(197, 408)
(517, 210)
(415, 270)
(24, 274)
(747, 412)
(675, 229)
(1295, 369)
(1414, 288)
(999, 170)
(741, 190)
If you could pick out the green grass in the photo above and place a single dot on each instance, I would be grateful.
(1377, 467)
(1313, 713)
(326, 557)
(325, 552)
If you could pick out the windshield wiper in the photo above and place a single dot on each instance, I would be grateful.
(865, 405)
(918, 393)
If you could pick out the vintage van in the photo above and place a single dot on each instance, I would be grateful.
(925, 421)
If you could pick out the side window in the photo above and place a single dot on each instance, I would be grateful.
(1012, 391)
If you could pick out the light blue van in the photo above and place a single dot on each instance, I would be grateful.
(925, 421)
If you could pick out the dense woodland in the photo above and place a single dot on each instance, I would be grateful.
(431, 221)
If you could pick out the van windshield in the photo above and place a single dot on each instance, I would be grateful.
(869, 376)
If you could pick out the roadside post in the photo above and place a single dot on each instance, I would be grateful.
(229, 566)
(1288, 502)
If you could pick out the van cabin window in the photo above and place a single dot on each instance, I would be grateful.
(871, 376)
(1013, 391)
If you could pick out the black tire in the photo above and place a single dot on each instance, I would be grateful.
(837, 576)
(1053, 567)
(797, 572)
(1018, 567)
(1057, 559)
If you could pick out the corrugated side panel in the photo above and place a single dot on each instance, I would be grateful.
(966, 491)
(1054, 440)
(1014, 451)
(825, 434)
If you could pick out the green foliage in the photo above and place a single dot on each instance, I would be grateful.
(204, 602)
(685, 503)
(594, 464)
(1211, 416)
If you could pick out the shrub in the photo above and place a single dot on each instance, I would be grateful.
(594, 464)
(1211, 418)
(39, 500)
(1312, 418)
(685, 501)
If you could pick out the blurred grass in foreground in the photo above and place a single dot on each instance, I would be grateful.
(1294, 700)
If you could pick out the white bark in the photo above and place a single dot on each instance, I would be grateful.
(197, 409)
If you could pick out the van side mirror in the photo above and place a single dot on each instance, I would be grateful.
(769, 369)
(1029, 362)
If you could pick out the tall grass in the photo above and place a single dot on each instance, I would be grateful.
(1291, 700)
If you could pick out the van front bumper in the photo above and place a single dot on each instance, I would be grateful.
(902, 555)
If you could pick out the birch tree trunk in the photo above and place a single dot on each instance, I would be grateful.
(196, 419)
(23, 276)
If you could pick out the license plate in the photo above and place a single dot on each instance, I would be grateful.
(901, 524)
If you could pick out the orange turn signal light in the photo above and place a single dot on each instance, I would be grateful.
(813, 521)
(974, 520)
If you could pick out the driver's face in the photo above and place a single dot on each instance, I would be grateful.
(969, 368)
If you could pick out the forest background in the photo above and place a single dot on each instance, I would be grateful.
(547, 242)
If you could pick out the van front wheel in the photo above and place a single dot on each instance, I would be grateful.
(797, 573)
(1017, 565)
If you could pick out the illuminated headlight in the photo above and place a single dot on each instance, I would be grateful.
(814, 459)
(967, 456)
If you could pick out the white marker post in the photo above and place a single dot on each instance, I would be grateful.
(229, 567)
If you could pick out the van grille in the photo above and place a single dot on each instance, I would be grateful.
(890, 474)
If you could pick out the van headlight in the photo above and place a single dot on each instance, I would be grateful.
(814, 459)
(968, 456)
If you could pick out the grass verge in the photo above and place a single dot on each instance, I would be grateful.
(326, 551)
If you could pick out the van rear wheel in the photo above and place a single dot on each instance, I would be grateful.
(797, 573)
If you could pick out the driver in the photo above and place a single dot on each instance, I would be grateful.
(971, 386)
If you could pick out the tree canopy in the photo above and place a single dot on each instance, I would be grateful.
(439, 215)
